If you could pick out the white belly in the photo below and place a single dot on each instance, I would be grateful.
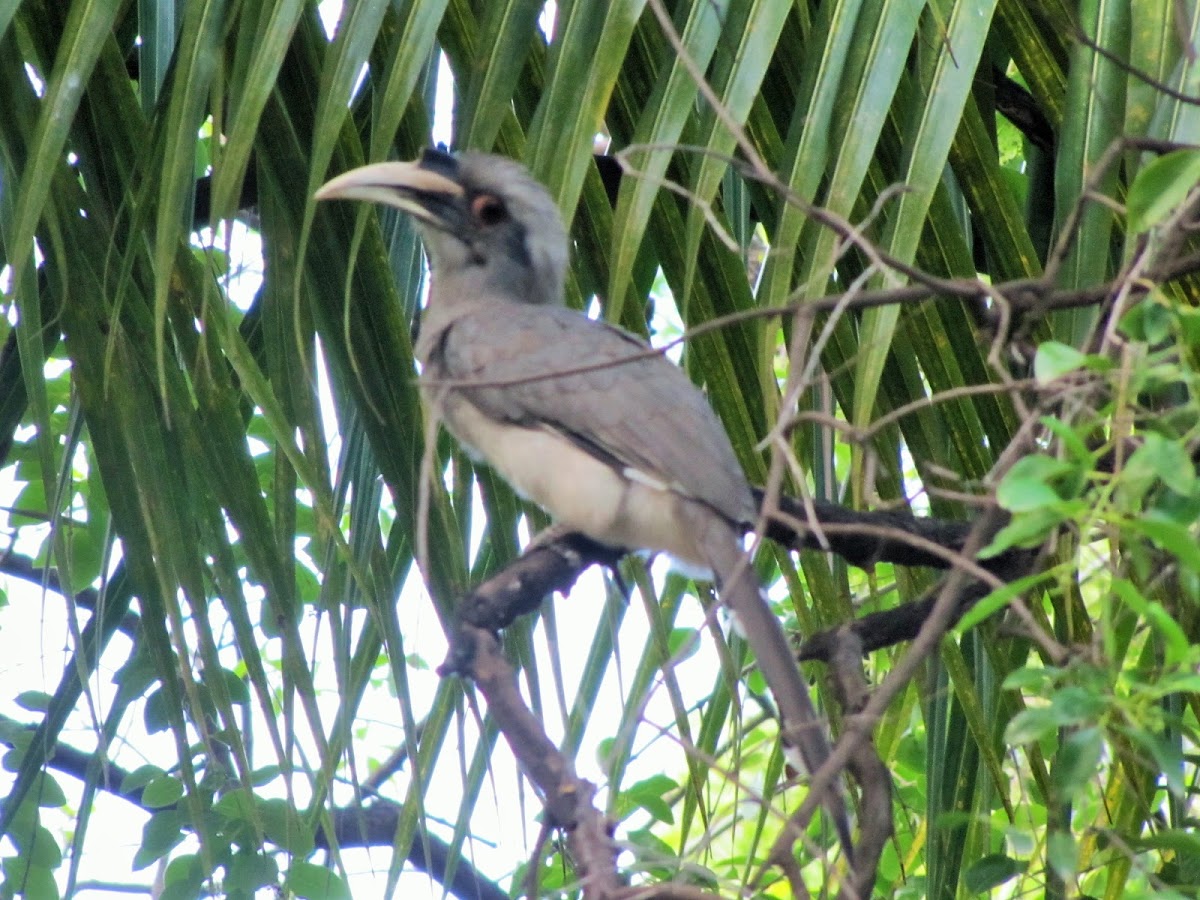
(576, 488)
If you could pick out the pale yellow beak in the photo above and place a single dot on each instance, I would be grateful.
(405, 185)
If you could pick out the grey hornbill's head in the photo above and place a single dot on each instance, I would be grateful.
(474, 211)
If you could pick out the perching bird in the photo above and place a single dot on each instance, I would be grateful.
(577, 415)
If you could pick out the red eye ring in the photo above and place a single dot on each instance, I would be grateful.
(488, 209)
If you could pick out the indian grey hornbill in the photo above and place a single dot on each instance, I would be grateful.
(611, 440)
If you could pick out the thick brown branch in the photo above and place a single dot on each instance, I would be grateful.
(568, 797)
(880, 537)
(875, 825)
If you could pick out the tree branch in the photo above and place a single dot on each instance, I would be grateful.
(372, 825)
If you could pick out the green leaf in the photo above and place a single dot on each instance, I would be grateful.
(235, 686)
(1079, 703)
(1185, 843)
(78, 50)
(1055, 359)
(1167, 460)
(157, 714)
(160, 835)
(37, 847)
(183, 889)
(996, 600)
(266, 53)
(1062, 854)
(1071, 705)
(47, 792)
(1018, 494)
(1076, 762)
(509, 31)
(195, 62)
(29, 881)
(249, 871)
(1032, 725)
(649, 795)
(1160, 187)
(1172, 537)
(284, 825)
(1177, 644)
(1031, 679)
(313, 882)
(34, 701)
(683, 643)
(236, 805)
(1149, 320)
(184, 878)
(1027, 485)
(1165, 754)
(991, 872)
(140, 777)
(1026, 530)
(162, 791)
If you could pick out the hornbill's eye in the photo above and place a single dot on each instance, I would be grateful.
(488, 209)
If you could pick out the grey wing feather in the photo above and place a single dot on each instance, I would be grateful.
(643, 413)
